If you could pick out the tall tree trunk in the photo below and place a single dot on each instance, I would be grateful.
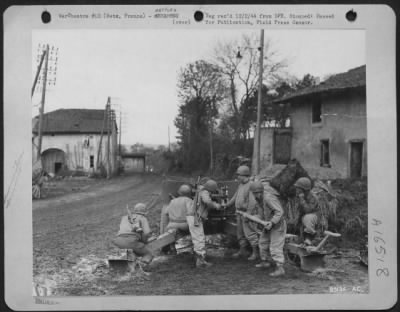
(211, 147)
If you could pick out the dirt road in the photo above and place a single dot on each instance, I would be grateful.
(81, 225)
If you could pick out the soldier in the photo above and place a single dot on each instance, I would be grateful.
(308, 206)
(246, 230)
(272, 239)
(134, 232)
(195, 216)
(174, 215)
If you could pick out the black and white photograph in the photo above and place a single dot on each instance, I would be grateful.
(150, 177)
(226, 155)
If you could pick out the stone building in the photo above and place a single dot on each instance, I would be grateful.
(76, 140)
(328, 128)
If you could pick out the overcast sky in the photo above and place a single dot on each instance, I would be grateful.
(138, 68)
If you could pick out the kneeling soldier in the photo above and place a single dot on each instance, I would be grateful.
(272, 239)
(309, 210)
(134, 231)
(174, 215)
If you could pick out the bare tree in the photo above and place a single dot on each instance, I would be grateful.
(241, 74)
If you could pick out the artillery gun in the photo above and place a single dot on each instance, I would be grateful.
(224, 221)
(221, 221)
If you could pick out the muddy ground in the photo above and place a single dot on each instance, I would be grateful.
(74, 225)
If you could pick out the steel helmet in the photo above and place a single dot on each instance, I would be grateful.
(256, 187)
(140, 208)
(185, 190)
(243, 171)
(303, 183)
(211, 186)
(203, 180)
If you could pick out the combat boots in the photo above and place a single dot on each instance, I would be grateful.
(201, 262)
(263, 264)
(242, 252)
(279, 271)
(254, 254)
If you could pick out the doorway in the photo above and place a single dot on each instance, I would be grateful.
(57, 167)
(356, 152)
(282, 142)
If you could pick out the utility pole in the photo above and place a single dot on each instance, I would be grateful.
(101, 138)
(38, 72)
(42, 102)
(108, 138)
(257, 137)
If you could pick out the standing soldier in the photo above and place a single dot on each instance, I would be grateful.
(308, 206)
(195, 216)
(272, 239)
(246, 230)
(134, 232)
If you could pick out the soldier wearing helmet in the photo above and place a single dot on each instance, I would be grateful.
(134, 232)
(244, 201)
(173, 216)
(195, 216)
(272, 238)
(308, 206)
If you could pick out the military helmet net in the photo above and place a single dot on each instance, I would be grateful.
(211, 186)
(303, 183)
(140, 208)
(243, 171)
(185, 190)
(256, 187)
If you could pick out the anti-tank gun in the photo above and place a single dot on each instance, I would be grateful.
(222, 221)
(217, 220)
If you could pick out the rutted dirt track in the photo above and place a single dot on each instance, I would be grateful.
(76, 225)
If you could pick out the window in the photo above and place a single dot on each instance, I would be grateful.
(91, 161)
(325, 154)
(316, 112)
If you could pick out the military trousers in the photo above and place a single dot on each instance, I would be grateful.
(181, 226)
(198, 236)
(246, 232)
(127, 241)
(271, 243)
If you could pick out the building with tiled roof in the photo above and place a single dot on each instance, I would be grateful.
(74, 121)
(352, 79)
(76, 140)
(328, 128)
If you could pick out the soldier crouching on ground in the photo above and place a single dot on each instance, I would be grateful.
(246, 230)
(174, 215)
(272, 239)
(308, 206)
(134, 232)
(195, 216)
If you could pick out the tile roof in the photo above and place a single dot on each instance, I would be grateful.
(353, 78)
(73, 121)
